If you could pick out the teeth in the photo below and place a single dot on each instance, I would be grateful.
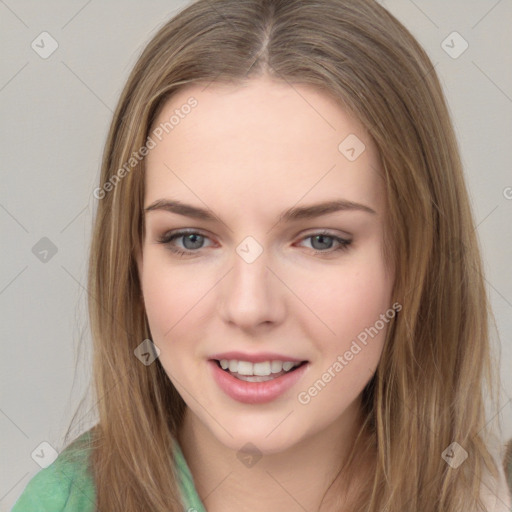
(244, 368)
(276, 366)
(261, 369)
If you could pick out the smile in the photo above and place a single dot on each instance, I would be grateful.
(255, 383)
(257, 372)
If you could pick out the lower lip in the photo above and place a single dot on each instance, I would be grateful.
(255, 392)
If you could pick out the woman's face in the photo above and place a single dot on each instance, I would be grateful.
(267, 272)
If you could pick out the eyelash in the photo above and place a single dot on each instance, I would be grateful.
(168, 237)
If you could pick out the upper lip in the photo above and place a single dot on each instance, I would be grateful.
(255, 358)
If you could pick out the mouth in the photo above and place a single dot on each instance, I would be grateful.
(257, 382)
(258, 372)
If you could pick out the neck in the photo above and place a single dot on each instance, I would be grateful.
(317, 482)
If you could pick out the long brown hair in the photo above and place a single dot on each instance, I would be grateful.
(428, 390)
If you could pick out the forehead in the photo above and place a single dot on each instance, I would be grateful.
(259, 144)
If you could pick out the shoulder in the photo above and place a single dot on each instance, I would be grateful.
(495, 493)
(64, 486)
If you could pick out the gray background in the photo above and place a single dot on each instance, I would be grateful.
(55, 116)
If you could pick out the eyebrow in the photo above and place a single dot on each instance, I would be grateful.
(292, 214)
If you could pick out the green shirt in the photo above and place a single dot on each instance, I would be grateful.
(68, 486)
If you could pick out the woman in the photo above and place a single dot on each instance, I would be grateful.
(237, 358)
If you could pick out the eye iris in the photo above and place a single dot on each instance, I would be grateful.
(192, 238)
(321, 238)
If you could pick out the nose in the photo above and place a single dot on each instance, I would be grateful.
(251, 294)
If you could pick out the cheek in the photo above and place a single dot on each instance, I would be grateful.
(170, 296)
(172, 300)
(349, 298)
(349, 357)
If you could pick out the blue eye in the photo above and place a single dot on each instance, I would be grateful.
(321, 239)
(193, 241)
(191, 238)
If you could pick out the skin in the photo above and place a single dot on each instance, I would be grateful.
(248, 153)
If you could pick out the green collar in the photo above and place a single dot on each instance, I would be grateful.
(188, 489)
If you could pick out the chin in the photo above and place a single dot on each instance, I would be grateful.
(264, 439)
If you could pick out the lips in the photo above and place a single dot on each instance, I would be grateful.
(256, 392)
